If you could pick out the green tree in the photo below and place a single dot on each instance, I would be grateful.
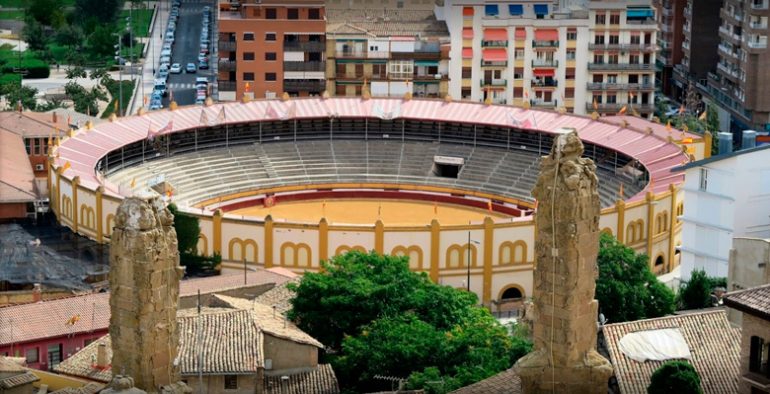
(86, 100)
(103, 12)
(35, 35)
(188, 232)
(675, 377)
(696, 293)
(101, 41)
(70, 36)
(76, 72)
(626, 288)
(47, 12)
(15, 94)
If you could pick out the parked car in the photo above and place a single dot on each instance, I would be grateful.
(160, 86)
(156, 104)
(203, 65)
(163, 71)
(176, 68)
(191, 68)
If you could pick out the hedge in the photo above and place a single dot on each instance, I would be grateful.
(35, 68)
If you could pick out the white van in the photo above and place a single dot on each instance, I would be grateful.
(166, 52)
(160, 85)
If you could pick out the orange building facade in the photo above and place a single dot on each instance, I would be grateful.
(271, 48)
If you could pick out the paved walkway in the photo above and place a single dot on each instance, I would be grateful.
(150, 64)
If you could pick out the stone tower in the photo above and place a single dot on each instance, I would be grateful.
(564, 359)
(144, 293)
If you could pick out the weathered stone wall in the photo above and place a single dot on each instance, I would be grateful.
(144, 283)
(752, 326)
(564, 359)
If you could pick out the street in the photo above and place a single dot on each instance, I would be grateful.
(185, 50)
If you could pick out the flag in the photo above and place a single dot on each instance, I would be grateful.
(622, 110)
(247, 87)
(133, 183)
(72, 320)
(515, 121)
(489, 206)
(66, 166)
(595, 104)
(702, 116)
(221, 117)
(204, 118)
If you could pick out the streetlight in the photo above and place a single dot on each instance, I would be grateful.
(118, 58)
(468, 261)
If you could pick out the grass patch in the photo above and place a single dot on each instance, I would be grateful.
(23, 3)
(140, 21)
(12, 15)
(114, 88)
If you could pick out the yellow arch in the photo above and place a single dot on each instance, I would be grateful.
(512, 252)
(297, 250)
(662, 257)
(345, 248)
(630, 233)
(511, 286)
(203, 245)
(87, 216)
(640, 229)
(108, 229)
(243, 246)
(607, 231)
(407, 251)
(462, 255)
(66, 203)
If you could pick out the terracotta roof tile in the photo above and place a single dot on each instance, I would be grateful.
(385, 22)
(506, 382)
(319, 381)
(90, 388)
(270, 321)
(29, 322)
(17, 380)
(17, 180)
(713, 343)
(279, 296)
(755, 300)
(32, 124)
(83, 363)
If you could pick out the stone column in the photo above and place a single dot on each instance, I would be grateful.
(144, 293)
(564, 359)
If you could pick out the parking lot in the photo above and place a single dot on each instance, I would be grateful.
(187, 34)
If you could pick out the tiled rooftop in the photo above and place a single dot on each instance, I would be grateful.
(279, 296)
(17, 181)
(384, 23)
(90, 388)
(319, 381)
(713, 343)
(30, 322)
(33, 124)
(506, 382)
(755, 301)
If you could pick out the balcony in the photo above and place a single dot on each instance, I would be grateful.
(494, 63)
(350, 54)
(759, 4)
(304, 86)
(686, 45)
(545, 63)
(545, 44)
(543, 103)
(615, 107)
(545, 83)
(226, 86)
(494, 44)
(304, 46)
(226, 46)
(493, 82)
(757, 43)
(620, 86)
(416, 55)
(758, 25)
(619, 66)
(226, 65)
(629, 47)
(304, 66)
(642, 21)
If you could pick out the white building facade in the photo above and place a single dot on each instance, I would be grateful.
(725, 196)
(584, 56)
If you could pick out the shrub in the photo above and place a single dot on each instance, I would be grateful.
(675, 377)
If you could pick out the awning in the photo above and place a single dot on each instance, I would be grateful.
(491, 10)
(546, 35)
(426, 63)
(541, 9)
(495, 55)
(495, 35)
(467, 53)
(639, 13)
(543, 72)
(515, 9)
(521, 34)
(467, 32)
(467, 11)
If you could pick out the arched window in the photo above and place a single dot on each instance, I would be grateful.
(659, 261)
(345, 248)
(414, 253)
(513, 252)
(203, 245)
(297, 255)
(108, 229)
(240, 250)
(456, 255)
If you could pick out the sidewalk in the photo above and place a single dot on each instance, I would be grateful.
(151, 59)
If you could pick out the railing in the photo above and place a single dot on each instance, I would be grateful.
(620, 86)
(546, 43)
(758, 25)
(301, 86)
(503, 63)
(493, 82)
(614, 107)
(645, 21)
(757, 44)
(494, 44)
(417, 55)
(228, 46)
(229, 86)
(350, 54)
(304, 46)
(304, 66)
(545, 83)
(628, 47)
(545, 63)
(619, 66)
(542, 103)
(759, 5)
(226, 65)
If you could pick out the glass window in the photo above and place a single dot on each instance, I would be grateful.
(600, 19)
(54, 355)
(270, 77)
(248, 76)
(248, 36)
(467, 72)
(571, 35)
(704, 179)
(271, 13)
(28, 145)
(269, 36)
(231, 382)
(248, 55)
(570, 73)
(615, 19)
(570, 54)
(292, 13)
(270, 56)
(33, 355)
(314, 13)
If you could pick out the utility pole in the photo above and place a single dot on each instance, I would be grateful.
(119, 58)
(468, 264)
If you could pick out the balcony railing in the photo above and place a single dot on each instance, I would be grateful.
(627, 47)
(416, 55)
(494, 44)
(644, 21)
(545, 63)
(544, 44)
(759, 4)
(226, 46)
(304, 66)
(619, 66)
(351, 54)
(493, 82)
(303, 86)
(545, 83)
(304, 46)
(503, 63)
(226, 86)
(615, 107)
(226, 65)
(758, 25)
(753, 44)
(620, 86)
(542, 103)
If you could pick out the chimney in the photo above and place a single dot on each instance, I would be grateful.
(725, 143)
(37, 293)
(101, 356)
(749, 139)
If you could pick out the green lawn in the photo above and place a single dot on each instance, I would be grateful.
(128, 90)
(140, 22)
(11, 15)
(23, 3)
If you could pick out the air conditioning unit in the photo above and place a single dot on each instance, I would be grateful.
(438, 76)
(268, 364)
(39, 167)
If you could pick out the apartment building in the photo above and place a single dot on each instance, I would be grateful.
(583, 56)
(394, 48)
(270, 47)
(699, 46)
(670, 17)
(738, 86)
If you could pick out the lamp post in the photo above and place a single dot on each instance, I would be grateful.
(468, 262)
(118, 58)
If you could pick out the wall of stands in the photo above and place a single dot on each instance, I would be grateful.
(501, 256)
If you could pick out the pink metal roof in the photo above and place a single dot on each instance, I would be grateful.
(87, 147)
